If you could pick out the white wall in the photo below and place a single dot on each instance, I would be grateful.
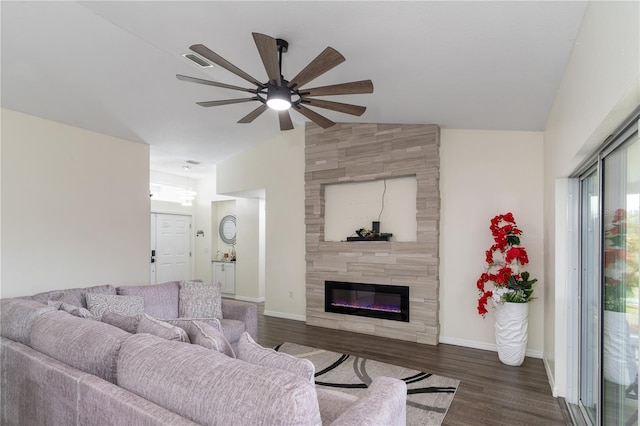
(354, 205)
(482, 174)
(204, 249)
(599, 89)
(248, 249)
(75, 207)
(276, 165)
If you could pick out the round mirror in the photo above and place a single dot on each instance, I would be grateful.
(228, 229)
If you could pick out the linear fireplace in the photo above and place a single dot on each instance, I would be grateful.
(368, 300)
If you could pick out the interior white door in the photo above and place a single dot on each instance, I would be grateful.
(173, 255)
(152, 250)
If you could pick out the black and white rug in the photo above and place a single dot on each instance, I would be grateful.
(428, 395)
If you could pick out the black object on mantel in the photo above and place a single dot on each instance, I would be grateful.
(379, 237)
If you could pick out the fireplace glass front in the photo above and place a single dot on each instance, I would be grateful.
(369, 300)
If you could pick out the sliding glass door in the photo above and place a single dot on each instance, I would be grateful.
(590, 292)
(610, 258)
(621, 192)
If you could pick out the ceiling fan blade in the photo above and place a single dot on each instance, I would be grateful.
(213, 83)
(285, 120)
(225, 102)
(253, 114)
(268, 49)
(351, 88)
(219, 60)
(336, 106)
(325, 61)
(314, 116)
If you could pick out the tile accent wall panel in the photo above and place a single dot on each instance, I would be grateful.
(366, 152)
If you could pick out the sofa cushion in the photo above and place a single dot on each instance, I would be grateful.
(248, 350)
(160, 300)
(89, 346)
(17, 317)
(73, 296)
(151, 325)
(124, 305)
(198, 299)
(101, 403)
(207, 336)
(232, 329)
(123, 322)
(36, 389)
(208, 387)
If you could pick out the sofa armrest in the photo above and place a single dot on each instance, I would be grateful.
(242, 311)
(383, 403)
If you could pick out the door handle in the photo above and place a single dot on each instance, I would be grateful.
(153, 256)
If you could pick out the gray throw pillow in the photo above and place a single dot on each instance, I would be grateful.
(248, 350)
(98, 304)
(200, 300)
(206, 335)
(183, 323)
(126, 323)
(72, 309)
(160, 300)
(151, 325)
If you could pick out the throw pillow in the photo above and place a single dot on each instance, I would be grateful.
(200, 300)
(151, 325)
(248, 350)
(206, 335)
(160, 300)
(126, 323)
(72, 309)
(183, 323)
(98, 304)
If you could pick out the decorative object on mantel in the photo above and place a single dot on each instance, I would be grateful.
(512, 289)
(619, 363)
(373, 234)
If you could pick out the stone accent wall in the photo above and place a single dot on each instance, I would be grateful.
(366, 152)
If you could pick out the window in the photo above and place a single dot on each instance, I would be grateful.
(609, 270)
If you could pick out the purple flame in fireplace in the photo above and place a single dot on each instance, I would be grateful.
(366, 300)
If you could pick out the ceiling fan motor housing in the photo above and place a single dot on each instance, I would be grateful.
(283, 45)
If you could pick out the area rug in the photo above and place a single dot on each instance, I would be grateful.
(428, 395)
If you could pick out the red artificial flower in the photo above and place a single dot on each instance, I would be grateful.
(517, 253)
(482, 302)
(503, 275)
(502, 228)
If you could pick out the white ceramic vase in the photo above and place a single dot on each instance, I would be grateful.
(618, 360)
(512, 322)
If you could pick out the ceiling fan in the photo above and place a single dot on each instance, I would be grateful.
(281, 94)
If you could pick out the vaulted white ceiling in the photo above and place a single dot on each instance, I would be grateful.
(110, 66)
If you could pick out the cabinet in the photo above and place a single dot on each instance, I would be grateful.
(225, 274)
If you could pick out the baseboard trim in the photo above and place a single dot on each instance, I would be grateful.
(285, 315)
(249, 299)
(552, 382)
(481, 345)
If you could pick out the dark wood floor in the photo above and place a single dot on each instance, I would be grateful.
(490, 393)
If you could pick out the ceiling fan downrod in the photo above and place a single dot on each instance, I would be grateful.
(283, 46)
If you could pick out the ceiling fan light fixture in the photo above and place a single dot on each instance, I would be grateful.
(279, 98)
